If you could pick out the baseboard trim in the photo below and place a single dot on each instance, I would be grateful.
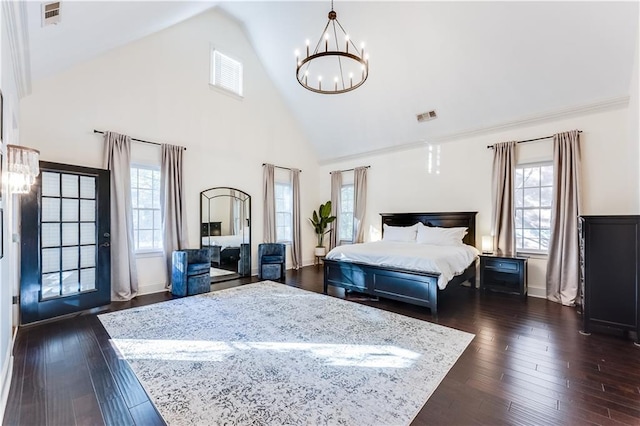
(7, 375)
(540, 293)
(152, 288)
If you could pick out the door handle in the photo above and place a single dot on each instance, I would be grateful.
(107, 244)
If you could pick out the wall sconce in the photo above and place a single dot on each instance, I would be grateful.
(23, 168)
(487, 244)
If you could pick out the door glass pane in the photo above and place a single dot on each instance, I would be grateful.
(87, 256)
(87, 233)
(87, 279)
(69, 258)
(50, 260)
(50, 234)
(87, 210)
(70, 186)
(68, 223)
(70, 234)
(70, 282)
(87, 187)
(69, 210)
(50, 285)
(50, 209)
(50, 184)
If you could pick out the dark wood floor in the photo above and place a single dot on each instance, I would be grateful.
(527, 365)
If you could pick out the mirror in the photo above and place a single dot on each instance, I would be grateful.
(225, 217)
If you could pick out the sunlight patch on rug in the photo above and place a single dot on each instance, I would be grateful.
(267, 353)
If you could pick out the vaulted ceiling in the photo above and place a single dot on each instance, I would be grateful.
(478, 64)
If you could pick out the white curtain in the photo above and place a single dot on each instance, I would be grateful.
(124, 274)
(502, 187)
(359, 203)
(563, 267)
(336, 199)
(172, 203)
(296, 243)
(269, 202)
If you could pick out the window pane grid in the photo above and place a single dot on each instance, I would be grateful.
(145, 197)
(532, 198)
(345, 232)
(66, 199)
(284, 212)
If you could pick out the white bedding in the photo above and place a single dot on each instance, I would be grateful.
(225, 241)
(448, 261)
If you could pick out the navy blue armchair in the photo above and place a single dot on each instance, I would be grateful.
(271, 261)
(190, 272)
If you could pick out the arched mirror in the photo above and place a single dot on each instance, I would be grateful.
(225, 218)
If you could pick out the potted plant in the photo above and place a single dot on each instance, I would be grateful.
(320, 221)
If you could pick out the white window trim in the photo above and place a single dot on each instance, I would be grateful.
(531, 253)
(346, 241)
(223, 90)
(149, 253)
(152, 252)
(287, 242)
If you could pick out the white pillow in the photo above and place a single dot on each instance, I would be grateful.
(405, 234)
(440, 236)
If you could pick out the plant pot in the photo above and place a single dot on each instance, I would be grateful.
(320, 251)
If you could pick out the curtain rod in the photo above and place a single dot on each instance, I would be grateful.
(280, 167)
(349, 170)
(532, 140)
(134, 139)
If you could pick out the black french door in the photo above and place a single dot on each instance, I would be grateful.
(65, 248)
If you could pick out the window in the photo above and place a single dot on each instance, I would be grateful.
(145, 200)
(346, 214)
(226, 73)
(284, 212)
(533, 195)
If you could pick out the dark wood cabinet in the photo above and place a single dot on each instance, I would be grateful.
(609, 272)
(506, 274)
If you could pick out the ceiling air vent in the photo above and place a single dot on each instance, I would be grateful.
(50, 13)
(426, 116)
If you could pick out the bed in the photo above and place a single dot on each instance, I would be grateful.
(406, 285)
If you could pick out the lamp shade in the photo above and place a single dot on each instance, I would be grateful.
(487, 244)
(23, 168)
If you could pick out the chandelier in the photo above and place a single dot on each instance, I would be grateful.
(24, 168)
(335, 56)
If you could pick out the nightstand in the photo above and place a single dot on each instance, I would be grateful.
(506, 274)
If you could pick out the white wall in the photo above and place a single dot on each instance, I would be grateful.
(5, 289)
(460, 180)
(634, 99)
(158, 89)
(9, 263)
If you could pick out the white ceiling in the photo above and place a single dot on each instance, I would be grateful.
(479, 64)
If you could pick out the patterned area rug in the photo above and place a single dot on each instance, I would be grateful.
(268, 353)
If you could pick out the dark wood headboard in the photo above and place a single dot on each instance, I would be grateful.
(444, 220)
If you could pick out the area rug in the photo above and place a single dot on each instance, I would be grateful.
(271, 354)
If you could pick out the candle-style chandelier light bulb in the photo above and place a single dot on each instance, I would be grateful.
(331, 56)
